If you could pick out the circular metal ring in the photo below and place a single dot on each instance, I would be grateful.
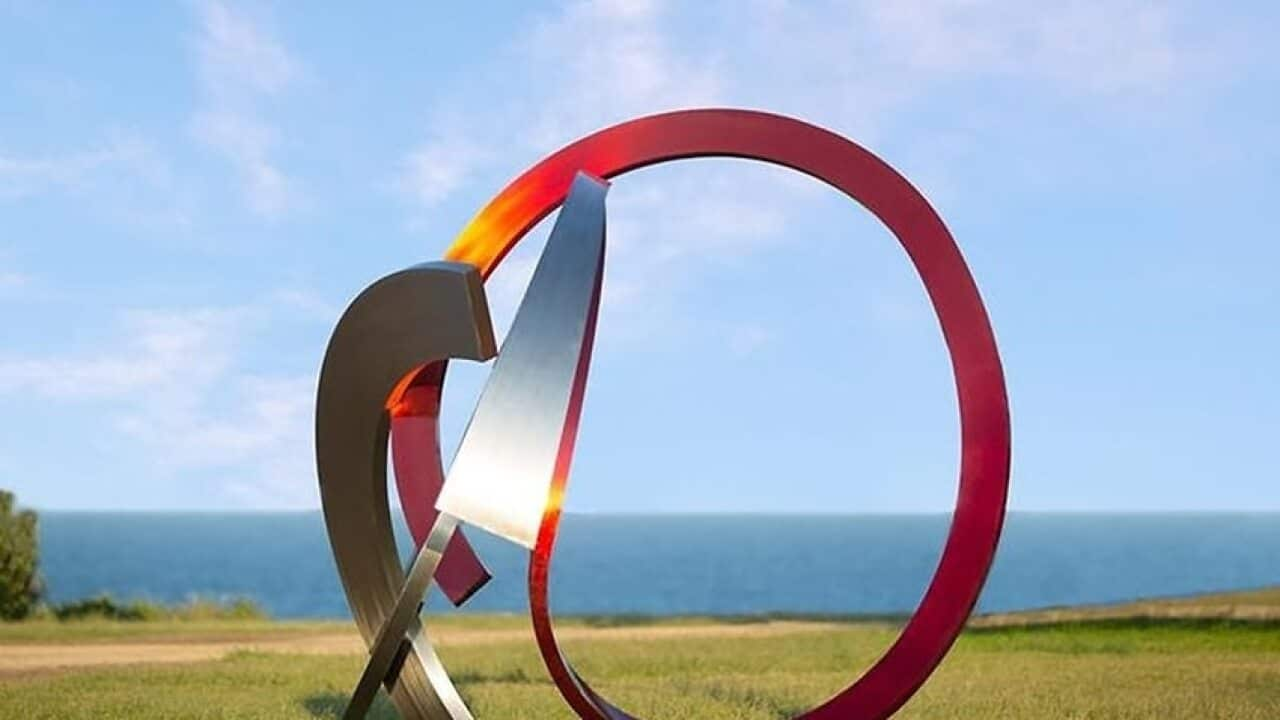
(985, 437)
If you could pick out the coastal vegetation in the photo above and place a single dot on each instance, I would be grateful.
(104, 607)
(20, 586)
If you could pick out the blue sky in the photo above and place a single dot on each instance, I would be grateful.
(191, 193)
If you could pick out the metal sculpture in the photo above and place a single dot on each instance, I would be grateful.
(518, 440)
(397, 325)
(985, 457)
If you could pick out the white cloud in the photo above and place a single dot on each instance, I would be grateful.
(239, 64)
(1106, 48)
(120, 158)
(176, 388)
(237, 58)
(124, 178)
(262, 446)
(592, 65)
(440, 166)
(863, 69)
(306, 302)
(247, 142)
(601, 63)
(692, 213)
(159, 350)
(24, 177)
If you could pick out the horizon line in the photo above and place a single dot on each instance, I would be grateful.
(689, 513)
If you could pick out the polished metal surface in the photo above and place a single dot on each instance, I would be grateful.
(538, 380)
(408, 319)
(392, 638)
(502, 474)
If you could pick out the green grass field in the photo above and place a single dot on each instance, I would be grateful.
(1186, 659)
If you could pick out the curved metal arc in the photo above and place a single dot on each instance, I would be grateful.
(416, 316)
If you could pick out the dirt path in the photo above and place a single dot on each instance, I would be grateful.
(22, 659)
(26, 659)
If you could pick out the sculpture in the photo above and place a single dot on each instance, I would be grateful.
(387, 360)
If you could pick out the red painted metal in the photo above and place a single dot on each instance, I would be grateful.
(415, 457)
(985, 435)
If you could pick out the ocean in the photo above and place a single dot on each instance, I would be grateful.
(678, 564)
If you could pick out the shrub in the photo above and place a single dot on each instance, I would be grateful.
(103, 607)
(20, 586)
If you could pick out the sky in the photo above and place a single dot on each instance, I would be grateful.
(191, 193)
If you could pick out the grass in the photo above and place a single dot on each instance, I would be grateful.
(1091, 665)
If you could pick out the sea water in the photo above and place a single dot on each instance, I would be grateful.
(678, 564)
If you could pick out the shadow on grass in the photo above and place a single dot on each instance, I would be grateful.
(331, 705)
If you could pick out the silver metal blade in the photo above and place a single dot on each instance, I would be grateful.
(521, 433)
(502, 474)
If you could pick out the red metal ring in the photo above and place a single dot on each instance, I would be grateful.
(984, 469)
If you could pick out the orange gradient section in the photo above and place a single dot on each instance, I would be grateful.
(400, 402)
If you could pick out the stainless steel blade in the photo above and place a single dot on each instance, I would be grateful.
(502, 473)
(522, 427)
